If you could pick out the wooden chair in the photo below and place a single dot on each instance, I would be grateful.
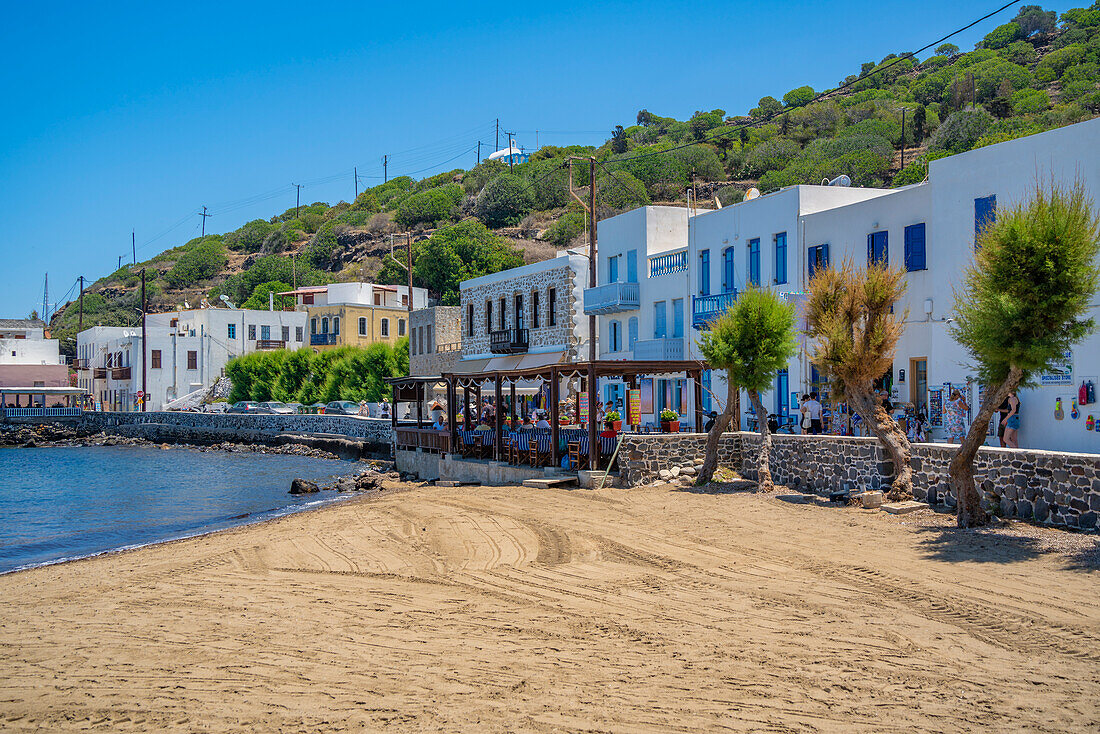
(533, 452)
(576, 461)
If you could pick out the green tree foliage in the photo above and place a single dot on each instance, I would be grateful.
(567, 227)
(619, 190)
(202, 261)
(250, 237)
(258, 299)
(1033, 19)
(798, 97)
(429, 207)
(504, 201)
(267, 269)
(345, 373)
(961, 130)
(766, 107)
(619, 141)
(751, 341)
(772, 155)
(947, 49)
(1023, 304)
(1001, 36)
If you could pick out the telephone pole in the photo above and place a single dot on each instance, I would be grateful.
(119, 263)
(511, 158)
(479, 152)
(133, 243)
(355, 173)
(385, 168)
(593, 382)
(204, 215)
(297, 198)
(46, 300)
(498, 134)
(902, 138)
(80, 321)
(144, 351)
(409, 267)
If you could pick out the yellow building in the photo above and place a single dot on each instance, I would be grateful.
(357, 314)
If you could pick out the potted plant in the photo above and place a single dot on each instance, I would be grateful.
(670, 421)
(615, 418)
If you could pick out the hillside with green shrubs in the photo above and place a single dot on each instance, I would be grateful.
(1036, 72)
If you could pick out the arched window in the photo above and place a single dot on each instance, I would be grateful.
(335, 324)
(385, 327)
(324, 325)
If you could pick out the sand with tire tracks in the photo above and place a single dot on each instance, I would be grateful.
(511, 609)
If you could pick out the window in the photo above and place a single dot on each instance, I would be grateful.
(985, 211)
(154, 359)
(631, 266)
(914, 247)
(704, 273)
(781, 257)
(615, 336)
(313, 326)
(660, 319)
(488, 317)
(231, 331)
(252, 332)
(307, 299)
(192, 360)
(324, 325)
(677, 318)
(298, 333)
(552, 306)
(819, 258)
(412, 343)
(631, 332)
(377, 298)
(385, 327)
(286, 333)
(429, 342)
(420, 340)
(265, 333)
(727, 271)
(405, 300)
(782, 387)
(519, 310)
(469, 319)
(534, 309)
(503, 315)
(754, 261)
(335, 324)
(362, 326)
(707, 402)
(878, 249)
(401, 327)
(613, 269)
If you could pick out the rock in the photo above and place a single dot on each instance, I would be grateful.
(904, 508)
(674, 472)
(303, 486)
(367, 481)
(345, 484)
(688, 470)
(871, 500)
(664, 474)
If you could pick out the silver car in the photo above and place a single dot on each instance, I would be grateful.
(274, 406)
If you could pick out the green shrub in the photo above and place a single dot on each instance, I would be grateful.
(1054, 63)
(961, 130)
(199, 263)
(504, 201)
(429, 207)
(620, 190)
(772, 155)
(250, 237)
(911, 174)
(322, 246)
(1002, 36)
(730, 195)
(1020, 52)
(258, 299)
(568, 226)
(1027, 101)
(798, 97)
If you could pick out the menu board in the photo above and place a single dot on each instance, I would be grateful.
(582, 407)
(935, 407)
(647, 395)
(634, 406)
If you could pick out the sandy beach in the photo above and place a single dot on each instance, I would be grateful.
(511, 609)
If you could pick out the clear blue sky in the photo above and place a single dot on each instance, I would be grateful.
(133, 116)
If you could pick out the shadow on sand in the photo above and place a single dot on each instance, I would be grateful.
(734, 485)
(997, 544)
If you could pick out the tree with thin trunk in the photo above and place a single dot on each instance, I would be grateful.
(1022, 305)
(752, 340)
(851, 318)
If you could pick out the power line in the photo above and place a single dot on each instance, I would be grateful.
(817, 98)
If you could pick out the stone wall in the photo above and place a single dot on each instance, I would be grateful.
(435, 344)
(1046, 486)
(562, 277)
(370, 430)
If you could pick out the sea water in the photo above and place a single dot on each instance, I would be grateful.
(70, 502)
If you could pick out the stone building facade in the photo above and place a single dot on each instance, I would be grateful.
(542, 298)
(435, 344)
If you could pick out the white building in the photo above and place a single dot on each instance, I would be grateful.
(777, 240)
(29, 358)
(187, 350)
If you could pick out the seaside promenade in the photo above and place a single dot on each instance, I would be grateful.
(490, 609)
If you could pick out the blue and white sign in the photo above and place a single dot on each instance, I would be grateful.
(1060, 372)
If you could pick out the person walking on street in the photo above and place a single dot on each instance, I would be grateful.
(957, 408)
(1012, 422)
(814, 409)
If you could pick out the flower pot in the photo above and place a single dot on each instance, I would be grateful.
(670, 426)
(617, 425)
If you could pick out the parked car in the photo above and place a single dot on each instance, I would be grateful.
(216, 408)
(342, 407)
(274, 406)
(296, 407)
(245, 406)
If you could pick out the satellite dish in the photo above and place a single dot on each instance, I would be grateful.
(753, 193)
(186, 304)
(717, 202)
(225, 298)
(841, 180)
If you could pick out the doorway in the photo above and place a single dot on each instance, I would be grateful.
(918, 382)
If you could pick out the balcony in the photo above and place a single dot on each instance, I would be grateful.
(659, 350)
(705, 309)
(99, 373)
(320, 340)
(668, 263)
(611, 298)
(508, 341)
(268, 344)
(120, 373)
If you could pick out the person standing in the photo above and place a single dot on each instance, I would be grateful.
(955, 420)
(814, 409)
(1002, 415)
(1012, 421)
(803, 414)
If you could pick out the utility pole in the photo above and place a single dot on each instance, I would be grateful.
(133, 243)
(144, 351)
(294, 271)
(46, 300)
(498, 134)
(409, 267)
(385, 168)
(355, 173)
(80, 322)
(204, 215)
(902, 138)
(119, 263)
(297, 198)
(479, 152)
(593, 383)
(511, 158)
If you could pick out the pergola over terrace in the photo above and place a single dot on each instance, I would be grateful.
(414, 389)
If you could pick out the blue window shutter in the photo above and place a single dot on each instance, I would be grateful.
(613, 269)
(825, 256)
(659, 320)
(782, 381)
(781, 257)
(632, 332)
(871, 248)
(915, 258)
(704, 273)
(985, 211)
(632, 266)
(677, 317)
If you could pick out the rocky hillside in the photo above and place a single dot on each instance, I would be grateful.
(1036, 72)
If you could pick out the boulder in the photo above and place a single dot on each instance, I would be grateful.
(871, 500)
(664, 474)
(688, 470)
(303, 486)
(367, 481)
(674, 472)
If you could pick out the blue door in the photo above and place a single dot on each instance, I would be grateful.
(704, 273)
(613, 269)
(660, 320)
(728, 273)
(782, 386)
(677, 317)
(754, 261)
(631, 266)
